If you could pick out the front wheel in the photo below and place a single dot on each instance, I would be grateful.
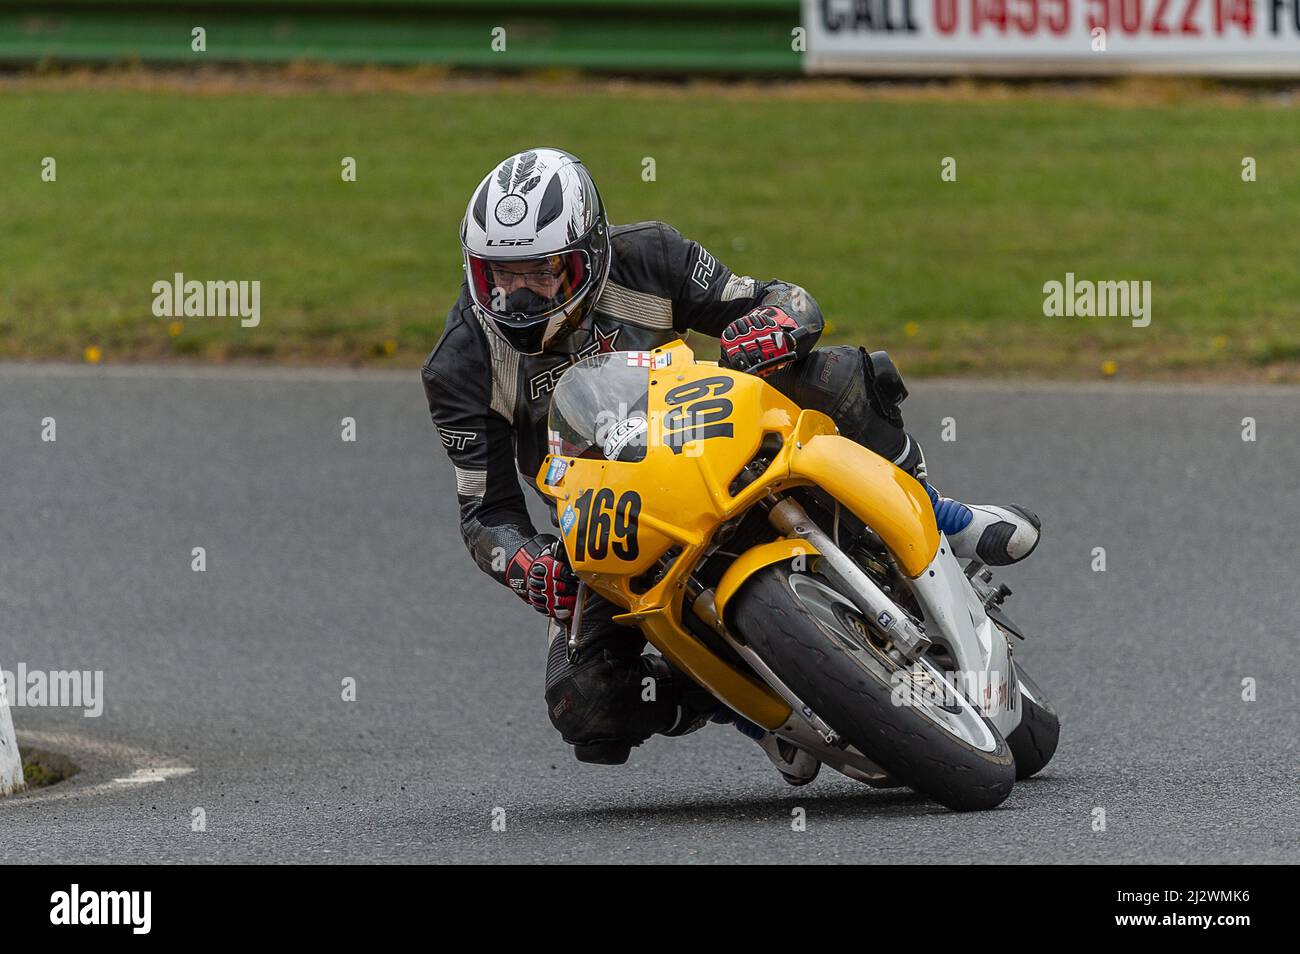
(818, 643)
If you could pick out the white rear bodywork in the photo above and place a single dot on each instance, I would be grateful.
(955, 616)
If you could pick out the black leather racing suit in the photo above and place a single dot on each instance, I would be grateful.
(490, 403)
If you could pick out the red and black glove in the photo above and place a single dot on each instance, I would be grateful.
(757, 341)
(540, 574)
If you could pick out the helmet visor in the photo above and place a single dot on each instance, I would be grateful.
(524, 290)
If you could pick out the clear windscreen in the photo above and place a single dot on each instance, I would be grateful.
(599, 409)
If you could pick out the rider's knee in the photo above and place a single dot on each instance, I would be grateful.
(885, 386)
(592, 705)
(861, 392)
(610, 702)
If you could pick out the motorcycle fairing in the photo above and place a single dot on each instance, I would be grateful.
(682, 487)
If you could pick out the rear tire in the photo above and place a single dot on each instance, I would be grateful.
(856, 698)
(1033, 742)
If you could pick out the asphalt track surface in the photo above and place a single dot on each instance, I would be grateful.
(329, 560)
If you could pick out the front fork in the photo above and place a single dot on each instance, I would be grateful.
(908, 638)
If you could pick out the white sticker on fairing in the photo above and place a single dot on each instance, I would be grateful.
(622, 434)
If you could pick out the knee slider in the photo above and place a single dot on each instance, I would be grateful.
(603, 753)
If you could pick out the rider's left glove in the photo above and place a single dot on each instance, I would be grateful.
(759, 340)
(540, 573)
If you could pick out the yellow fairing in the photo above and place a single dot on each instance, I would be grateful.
(658, 515)
(880, 495)
(684, 490)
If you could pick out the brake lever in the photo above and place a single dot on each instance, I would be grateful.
(767, 366)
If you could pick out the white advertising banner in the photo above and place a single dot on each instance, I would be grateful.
(1226, 37)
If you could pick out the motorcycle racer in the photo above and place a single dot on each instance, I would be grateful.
(548, 282)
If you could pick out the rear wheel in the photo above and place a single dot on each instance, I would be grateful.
(818, 643)
(1033, 742)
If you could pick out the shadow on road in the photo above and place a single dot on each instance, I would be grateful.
(863, 803)
(891, 803)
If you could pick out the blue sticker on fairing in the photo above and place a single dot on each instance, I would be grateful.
(555, 473)
(567, 521)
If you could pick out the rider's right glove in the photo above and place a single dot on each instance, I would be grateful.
(760, 342)
(540, 574)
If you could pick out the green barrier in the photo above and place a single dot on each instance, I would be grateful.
(671, 36)
(460, 6)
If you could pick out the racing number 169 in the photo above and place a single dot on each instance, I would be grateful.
(601, 522)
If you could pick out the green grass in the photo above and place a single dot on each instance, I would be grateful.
(840, 192)
(42, 768)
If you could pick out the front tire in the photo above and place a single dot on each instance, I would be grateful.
(814, 639)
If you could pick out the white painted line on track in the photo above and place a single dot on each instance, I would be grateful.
(105, 767)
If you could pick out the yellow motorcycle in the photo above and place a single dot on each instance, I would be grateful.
(793, 573)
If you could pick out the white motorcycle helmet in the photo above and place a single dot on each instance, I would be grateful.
(536, 245)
